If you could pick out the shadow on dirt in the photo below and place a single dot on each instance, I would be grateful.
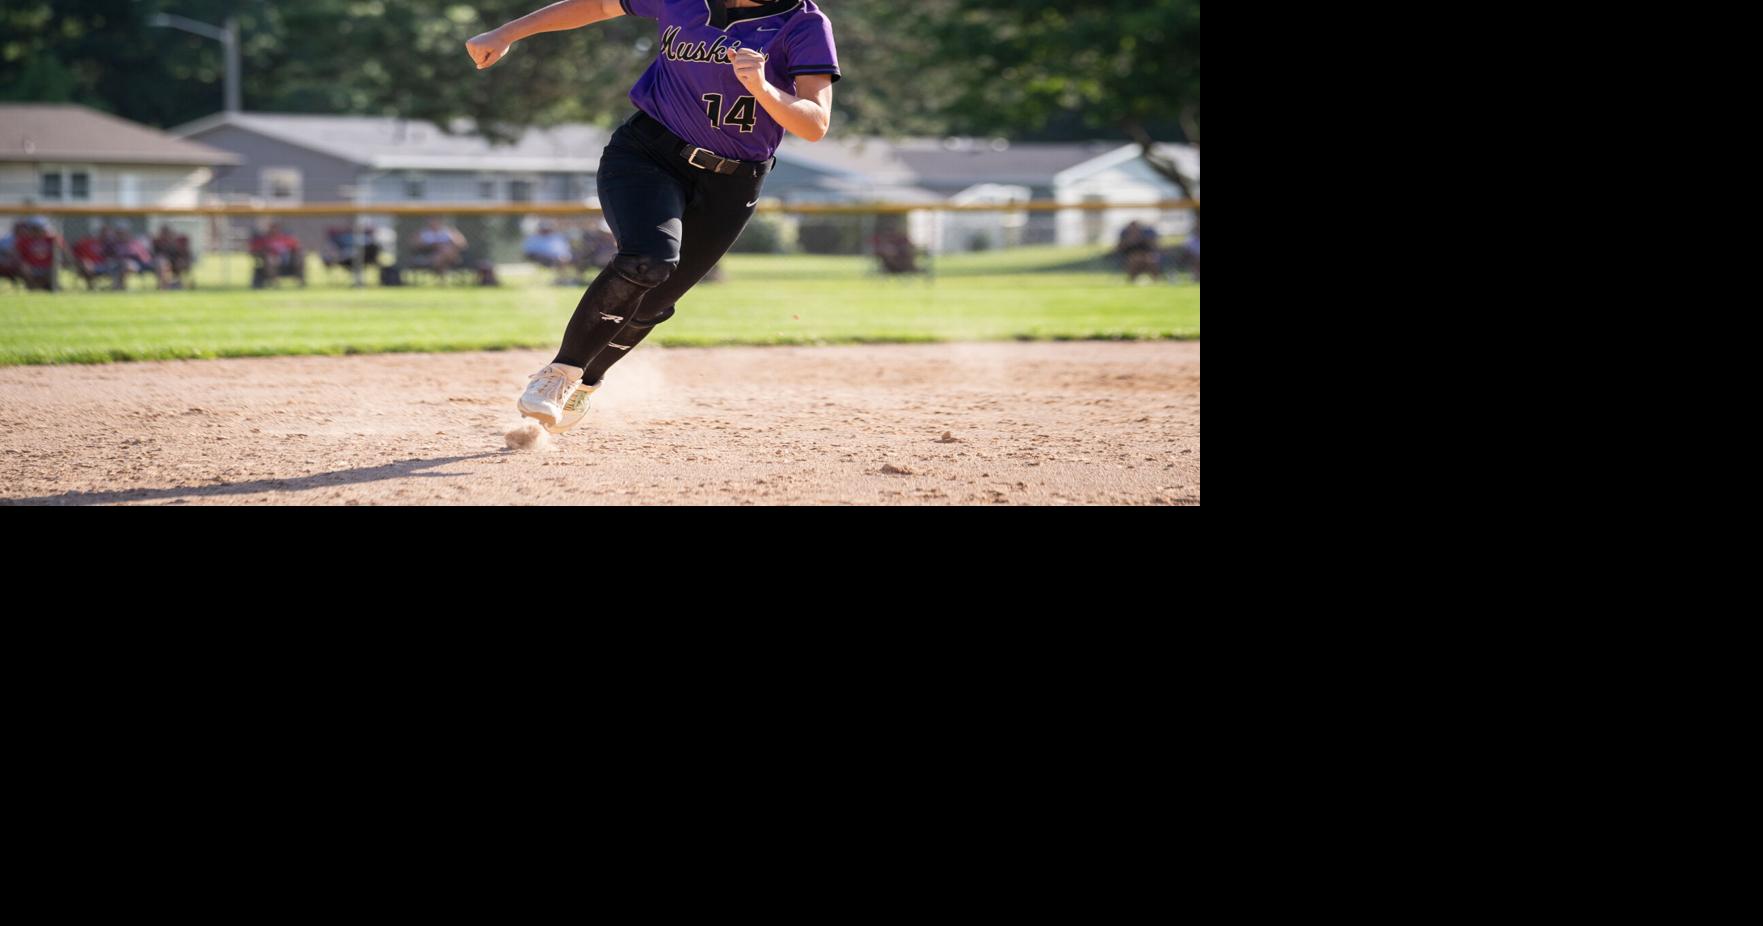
(400, 470)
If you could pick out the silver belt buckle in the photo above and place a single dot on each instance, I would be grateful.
(693, 158)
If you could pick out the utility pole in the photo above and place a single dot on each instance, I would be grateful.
(227, 36)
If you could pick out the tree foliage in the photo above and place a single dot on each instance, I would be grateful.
(1132, 66)
(1025, 69)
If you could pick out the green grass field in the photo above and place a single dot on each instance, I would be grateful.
(1027, 293)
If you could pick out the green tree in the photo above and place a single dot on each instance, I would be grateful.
(1129, 65)
(407, 58)
(1026, 70)
(79, 51)
(103, 54)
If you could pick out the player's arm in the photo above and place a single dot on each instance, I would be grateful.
(490, 47)
(808, 112)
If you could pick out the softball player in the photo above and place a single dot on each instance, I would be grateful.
(681, 177)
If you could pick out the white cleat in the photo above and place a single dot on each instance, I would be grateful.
(547, 392)
(576, 408)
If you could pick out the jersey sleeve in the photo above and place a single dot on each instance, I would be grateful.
(648, 9)
(809, 48)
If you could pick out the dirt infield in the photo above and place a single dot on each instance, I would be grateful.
(1026, 424)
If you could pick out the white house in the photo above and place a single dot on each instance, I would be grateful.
(1123, 176)
(61, 153)
(961, 171)
(296, 158)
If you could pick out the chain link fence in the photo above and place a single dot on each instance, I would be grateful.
(82, 245)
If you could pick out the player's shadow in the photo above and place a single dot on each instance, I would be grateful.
(400, 470)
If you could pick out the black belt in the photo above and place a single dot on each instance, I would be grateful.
(701, 158)
(705, 159)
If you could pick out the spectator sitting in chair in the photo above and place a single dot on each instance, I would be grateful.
(288, 247)
(134, 252)
(1138, 251)
(278, 255)
(441, 246)
(550, 250)
(114, 239)
(91, 260)
(342, 245)
(896, 251)
(11, 268)
(173, 258)
(35, 244)
(598, 246)
(263, 260)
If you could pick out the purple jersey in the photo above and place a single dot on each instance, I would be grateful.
(691, 87)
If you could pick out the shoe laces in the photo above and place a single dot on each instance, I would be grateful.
(553, 383)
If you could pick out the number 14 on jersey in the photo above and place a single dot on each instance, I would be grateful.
(745, 112)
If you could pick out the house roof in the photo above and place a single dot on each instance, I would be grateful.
(387, 143)
(65, 132)
(943, 164)
(1185, 157)
(857, 159)
(1026, 163)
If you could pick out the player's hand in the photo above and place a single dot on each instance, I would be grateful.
(749, 68)
(487, 49)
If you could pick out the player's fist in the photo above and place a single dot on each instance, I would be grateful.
(487, 49)
(749, 68)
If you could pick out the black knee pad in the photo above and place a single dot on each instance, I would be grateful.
(646, 272)
(648, 319)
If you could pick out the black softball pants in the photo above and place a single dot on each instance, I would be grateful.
(673, 223)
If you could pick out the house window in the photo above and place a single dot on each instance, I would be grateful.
(486, 189)
(415, 186)
(282, 184)
(63, 183)
(520, 191)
